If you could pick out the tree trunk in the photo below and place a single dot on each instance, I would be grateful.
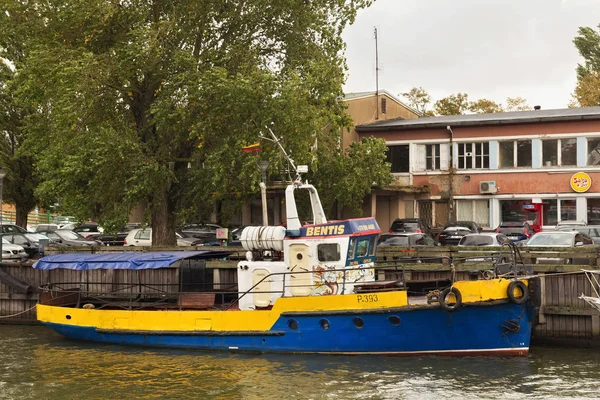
(21, 216)
(163, 219)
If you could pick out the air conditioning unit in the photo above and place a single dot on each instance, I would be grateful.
(487, 187)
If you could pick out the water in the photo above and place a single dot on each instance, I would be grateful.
(37, 363)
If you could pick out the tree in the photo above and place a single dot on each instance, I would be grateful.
(151, 101)
(21, 178)
(587, 91)
(419, 99)
(455, 104)
(517, 104)
(484, 106)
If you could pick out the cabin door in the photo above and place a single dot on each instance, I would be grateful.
(301, 280)
(262, 287)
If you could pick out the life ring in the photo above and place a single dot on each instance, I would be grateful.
(458, 299)
(511, 292)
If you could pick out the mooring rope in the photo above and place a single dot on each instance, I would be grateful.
(19, 313)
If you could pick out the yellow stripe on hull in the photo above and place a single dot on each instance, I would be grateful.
(250, 320)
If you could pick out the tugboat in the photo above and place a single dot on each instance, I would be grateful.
(303, 288)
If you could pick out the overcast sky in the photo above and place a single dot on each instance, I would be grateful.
(485, 48)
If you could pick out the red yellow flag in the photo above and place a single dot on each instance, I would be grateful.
(253, 148)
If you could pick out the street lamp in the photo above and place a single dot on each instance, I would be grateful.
(263, 165)
(2, 175)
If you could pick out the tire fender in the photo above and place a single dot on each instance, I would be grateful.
(443, 298)
(511, 292)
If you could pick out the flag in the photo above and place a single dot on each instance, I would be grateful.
(252, 148)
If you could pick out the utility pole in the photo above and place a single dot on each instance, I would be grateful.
(376, 77)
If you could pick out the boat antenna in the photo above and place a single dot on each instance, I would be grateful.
(298, 171)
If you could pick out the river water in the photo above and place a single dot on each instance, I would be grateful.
(37, 363)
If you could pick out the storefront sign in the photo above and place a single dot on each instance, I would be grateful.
(581, 182)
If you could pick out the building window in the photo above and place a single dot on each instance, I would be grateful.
(552, 156)
(383, 105)
(473, 210)
(399, 157)
(593, 211)
(432, 157)
(568, 210)
(515, 154)
(593, 156)
(473, 155)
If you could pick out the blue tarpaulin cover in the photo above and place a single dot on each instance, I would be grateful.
(124, 260)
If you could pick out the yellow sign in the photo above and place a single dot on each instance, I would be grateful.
(581, 182)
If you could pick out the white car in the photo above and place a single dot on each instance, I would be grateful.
(13, 252)
(570, 239)
(143, 237)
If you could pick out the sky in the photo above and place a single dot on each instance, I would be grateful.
(490, 49)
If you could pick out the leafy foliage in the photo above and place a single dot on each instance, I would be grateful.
(151, 101)
(587, 91)
(455, 104)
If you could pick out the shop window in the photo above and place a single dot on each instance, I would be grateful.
(328, 252)
(473, 210)
(593, 211)
(399, 157)
(473, 155)
(568, 210)
(432, 157)
(593, 156)
(550, 212)
(515, 154)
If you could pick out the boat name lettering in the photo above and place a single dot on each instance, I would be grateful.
(368, 227)
(325, 230)
(367, 298)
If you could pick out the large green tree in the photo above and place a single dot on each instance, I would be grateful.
(587, 91)
(152, 100)
(21, 178)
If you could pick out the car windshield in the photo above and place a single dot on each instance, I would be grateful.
(5, 241)
(394, 240)
(69, 235)
(476, 241)
(406, 225)
(560, 239)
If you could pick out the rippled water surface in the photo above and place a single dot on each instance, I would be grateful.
(37, 363)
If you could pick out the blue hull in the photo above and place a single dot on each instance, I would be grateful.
(503, 328)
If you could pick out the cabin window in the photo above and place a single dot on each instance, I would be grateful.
(373, 246)
(363, 247)
(328, 252)
(351, 248)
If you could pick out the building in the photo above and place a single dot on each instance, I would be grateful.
(486, 167)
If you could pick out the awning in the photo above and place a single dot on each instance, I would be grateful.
(124, 260)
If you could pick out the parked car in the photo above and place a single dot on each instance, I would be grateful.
(592, 231)
(12, 252)
(454, 231)
(29, 241)
(12, 228)
(44, 227)
(143, 237)
(518, 232)
(560, 239)
(65, 237)
(88, 230)
(117, 239)
(568, 223)
(63, 220)
(410, 225)
(201, 231)
(484, 239)
(405, 239)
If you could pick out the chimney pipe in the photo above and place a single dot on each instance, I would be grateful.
(537, 107)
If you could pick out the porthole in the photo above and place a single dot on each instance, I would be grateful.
(293, 324)
(358, 322)
(394, 320)
(324, 324)
(299, 256)
(68, 316)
